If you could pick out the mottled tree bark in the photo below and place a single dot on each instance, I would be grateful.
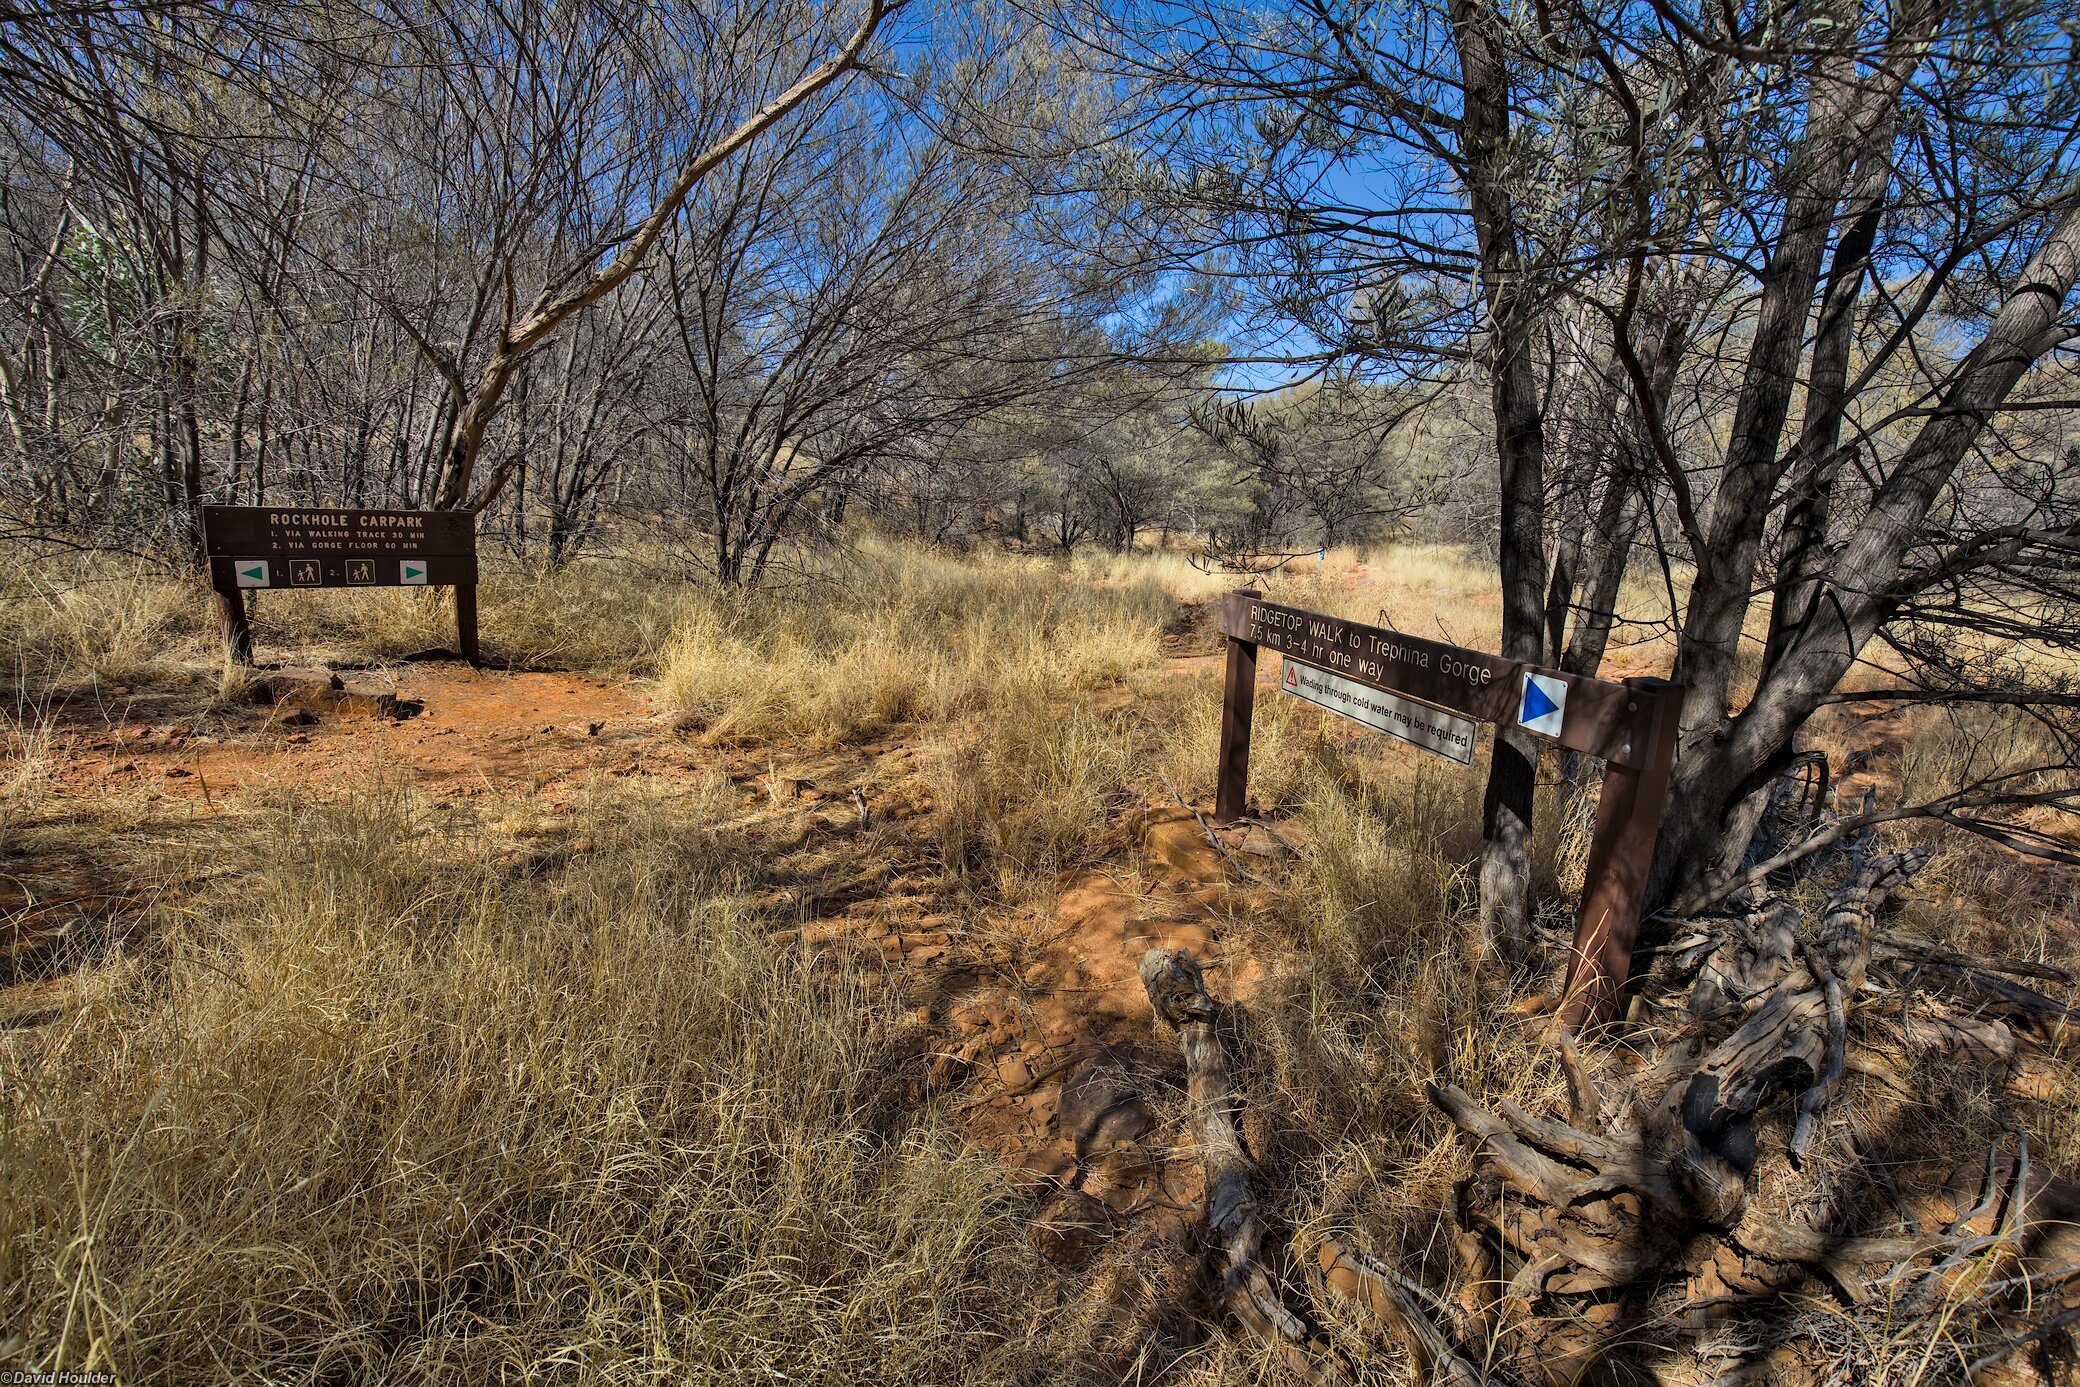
(1506, 808)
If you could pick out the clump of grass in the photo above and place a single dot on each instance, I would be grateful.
(1378, 986)
(898, 635)
(124, 622)
(25, 765)
(1291, 746)
(1024, 795)
(1384, 872)
(1952, 749)
(380, 1110)
(611, 615)
(1169, 569)
(94, 620)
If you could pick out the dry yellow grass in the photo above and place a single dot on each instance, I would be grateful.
(108, 621)
(899, 636)
(377, 1108)
(88, 620)
(371, 1102)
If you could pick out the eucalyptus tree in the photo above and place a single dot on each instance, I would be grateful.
(1804, 270)
(1321, 464)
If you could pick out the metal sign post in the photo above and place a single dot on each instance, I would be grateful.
(1630, 726)
(251, 548)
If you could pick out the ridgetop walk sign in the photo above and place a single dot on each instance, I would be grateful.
(251, 548)
(1630, 726)
(1593, 716)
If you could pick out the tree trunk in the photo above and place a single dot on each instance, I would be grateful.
(517, 340)
(1804, 541)
(1506, 808)
(1864, 584)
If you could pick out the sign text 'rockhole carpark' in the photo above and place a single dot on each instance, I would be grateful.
(1630, 726)
(258, 548)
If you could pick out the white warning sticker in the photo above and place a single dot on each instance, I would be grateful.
(1420, 725)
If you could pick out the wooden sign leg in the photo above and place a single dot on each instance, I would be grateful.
(466, 620)
(1628, 819)
(1238, 703)
(238, 630)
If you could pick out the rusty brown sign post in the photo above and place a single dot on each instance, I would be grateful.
(254, 548)
(1630, 726)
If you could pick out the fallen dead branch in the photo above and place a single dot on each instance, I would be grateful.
(1645, 1203)
(1214, 838)
(1701, 1177)
(1177, 991)
(1399, 1305)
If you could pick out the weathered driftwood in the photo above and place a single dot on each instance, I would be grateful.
(1177, 992)
(1795, 1039)
(1781, 1045)
(1837, 1059)
(1407, 1311)
(1636, 1203)
(1601, 1211)
(1645, 1181)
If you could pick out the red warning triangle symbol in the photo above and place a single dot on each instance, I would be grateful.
(1292, 677)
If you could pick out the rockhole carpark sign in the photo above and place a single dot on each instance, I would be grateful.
(253, 548)
(1434, 696)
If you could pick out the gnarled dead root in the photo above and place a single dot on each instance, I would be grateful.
(1594, 1228)
(1701, 1212)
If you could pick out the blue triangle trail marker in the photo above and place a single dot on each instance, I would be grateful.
(1536, 704)
(1544, 705)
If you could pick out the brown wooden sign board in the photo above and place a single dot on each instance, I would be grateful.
(260, 548)
(1600, 718)
(1631, 726)
(251, 573)
(277, 531)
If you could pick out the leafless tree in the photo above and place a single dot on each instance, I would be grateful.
(454, 181)
(856, 295)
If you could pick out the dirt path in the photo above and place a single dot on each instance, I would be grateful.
(1032, 1018)
(446, 728)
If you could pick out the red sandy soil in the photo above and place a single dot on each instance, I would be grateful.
(1036, 1015)
(477, 732)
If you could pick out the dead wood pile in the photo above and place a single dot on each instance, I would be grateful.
(1703, 1209)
